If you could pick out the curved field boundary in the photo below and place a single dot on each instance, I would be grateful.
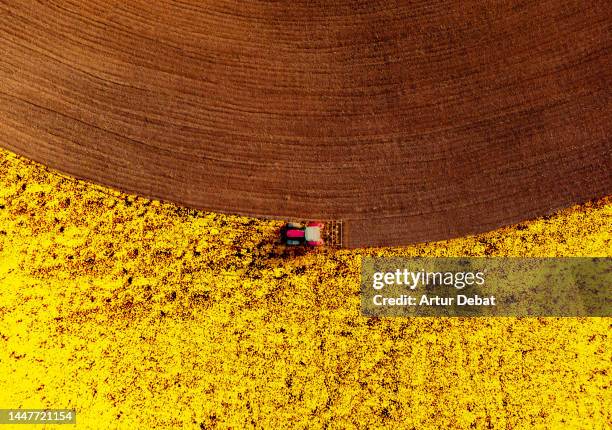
(407, 121)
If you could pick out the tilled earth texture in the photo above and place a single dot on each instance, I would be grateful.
(407, 120)
(142, 314)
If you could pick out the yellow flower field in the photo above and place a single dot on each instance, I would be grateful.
(141, 314)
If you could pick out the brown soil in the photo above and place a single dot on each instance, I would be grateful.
(408, 121)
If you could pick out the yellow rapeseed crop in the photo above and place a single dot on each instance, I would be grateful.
(141, 314)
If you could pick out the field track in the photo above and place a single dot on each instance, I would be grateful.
(407, 120)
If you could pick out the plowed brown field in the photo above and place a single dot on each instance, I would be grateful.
(407, 120)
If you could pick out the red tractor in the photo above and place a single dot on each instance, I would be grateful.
(296, 234)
